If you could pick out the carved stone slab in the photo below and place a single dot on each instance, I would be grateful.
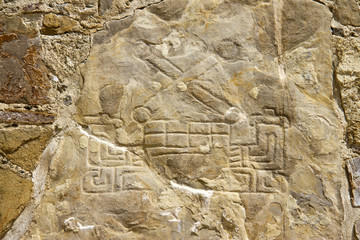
(187, 119)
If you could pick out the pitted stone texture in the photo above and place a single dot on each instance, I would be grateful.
(26, 117)
(347, 73)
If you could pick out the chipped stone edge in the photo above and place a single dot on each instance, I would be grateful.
(78, 224)
(39, 177)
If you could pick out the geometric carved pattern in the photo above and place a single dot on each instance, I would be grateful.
(266, 153)
(105, 155)
(98, 180)
(110, 168)
(107, 180)
(261, 153)
(179, 136)
(254, 147)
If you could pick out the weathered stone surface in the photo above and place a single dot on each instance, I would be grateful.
(353, 166)
(199, 119)
(26, 117)
(25, 92)
(347, 12)
(346, 75)
(15, 192)
(357, 229)
(23, 75)
(169, 10)
(53, 24)
(24, 146)
(201, 122)
(20, 151)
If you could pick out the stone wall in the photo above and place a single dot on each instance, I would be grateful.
(179, 119)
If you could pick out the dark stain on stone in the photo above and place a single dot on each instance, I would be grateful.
(26, 117)
(169, 10)
(104, 5)
(110, 99)
(67, 100)
(31, 8)
(338, 32)
(23, 75)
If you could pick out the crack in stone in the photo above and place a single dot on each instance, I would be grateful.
(278, 7)
(320, 1)
(39, 177)
(99, 140)
(6, 164)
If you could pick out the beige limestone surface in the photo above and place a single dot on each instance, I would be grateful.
(179, 119)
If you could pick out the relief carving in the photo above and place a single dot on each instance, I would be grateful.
(190, 120)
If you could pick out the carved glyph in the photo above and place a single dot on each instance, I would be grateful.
(110, 168)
